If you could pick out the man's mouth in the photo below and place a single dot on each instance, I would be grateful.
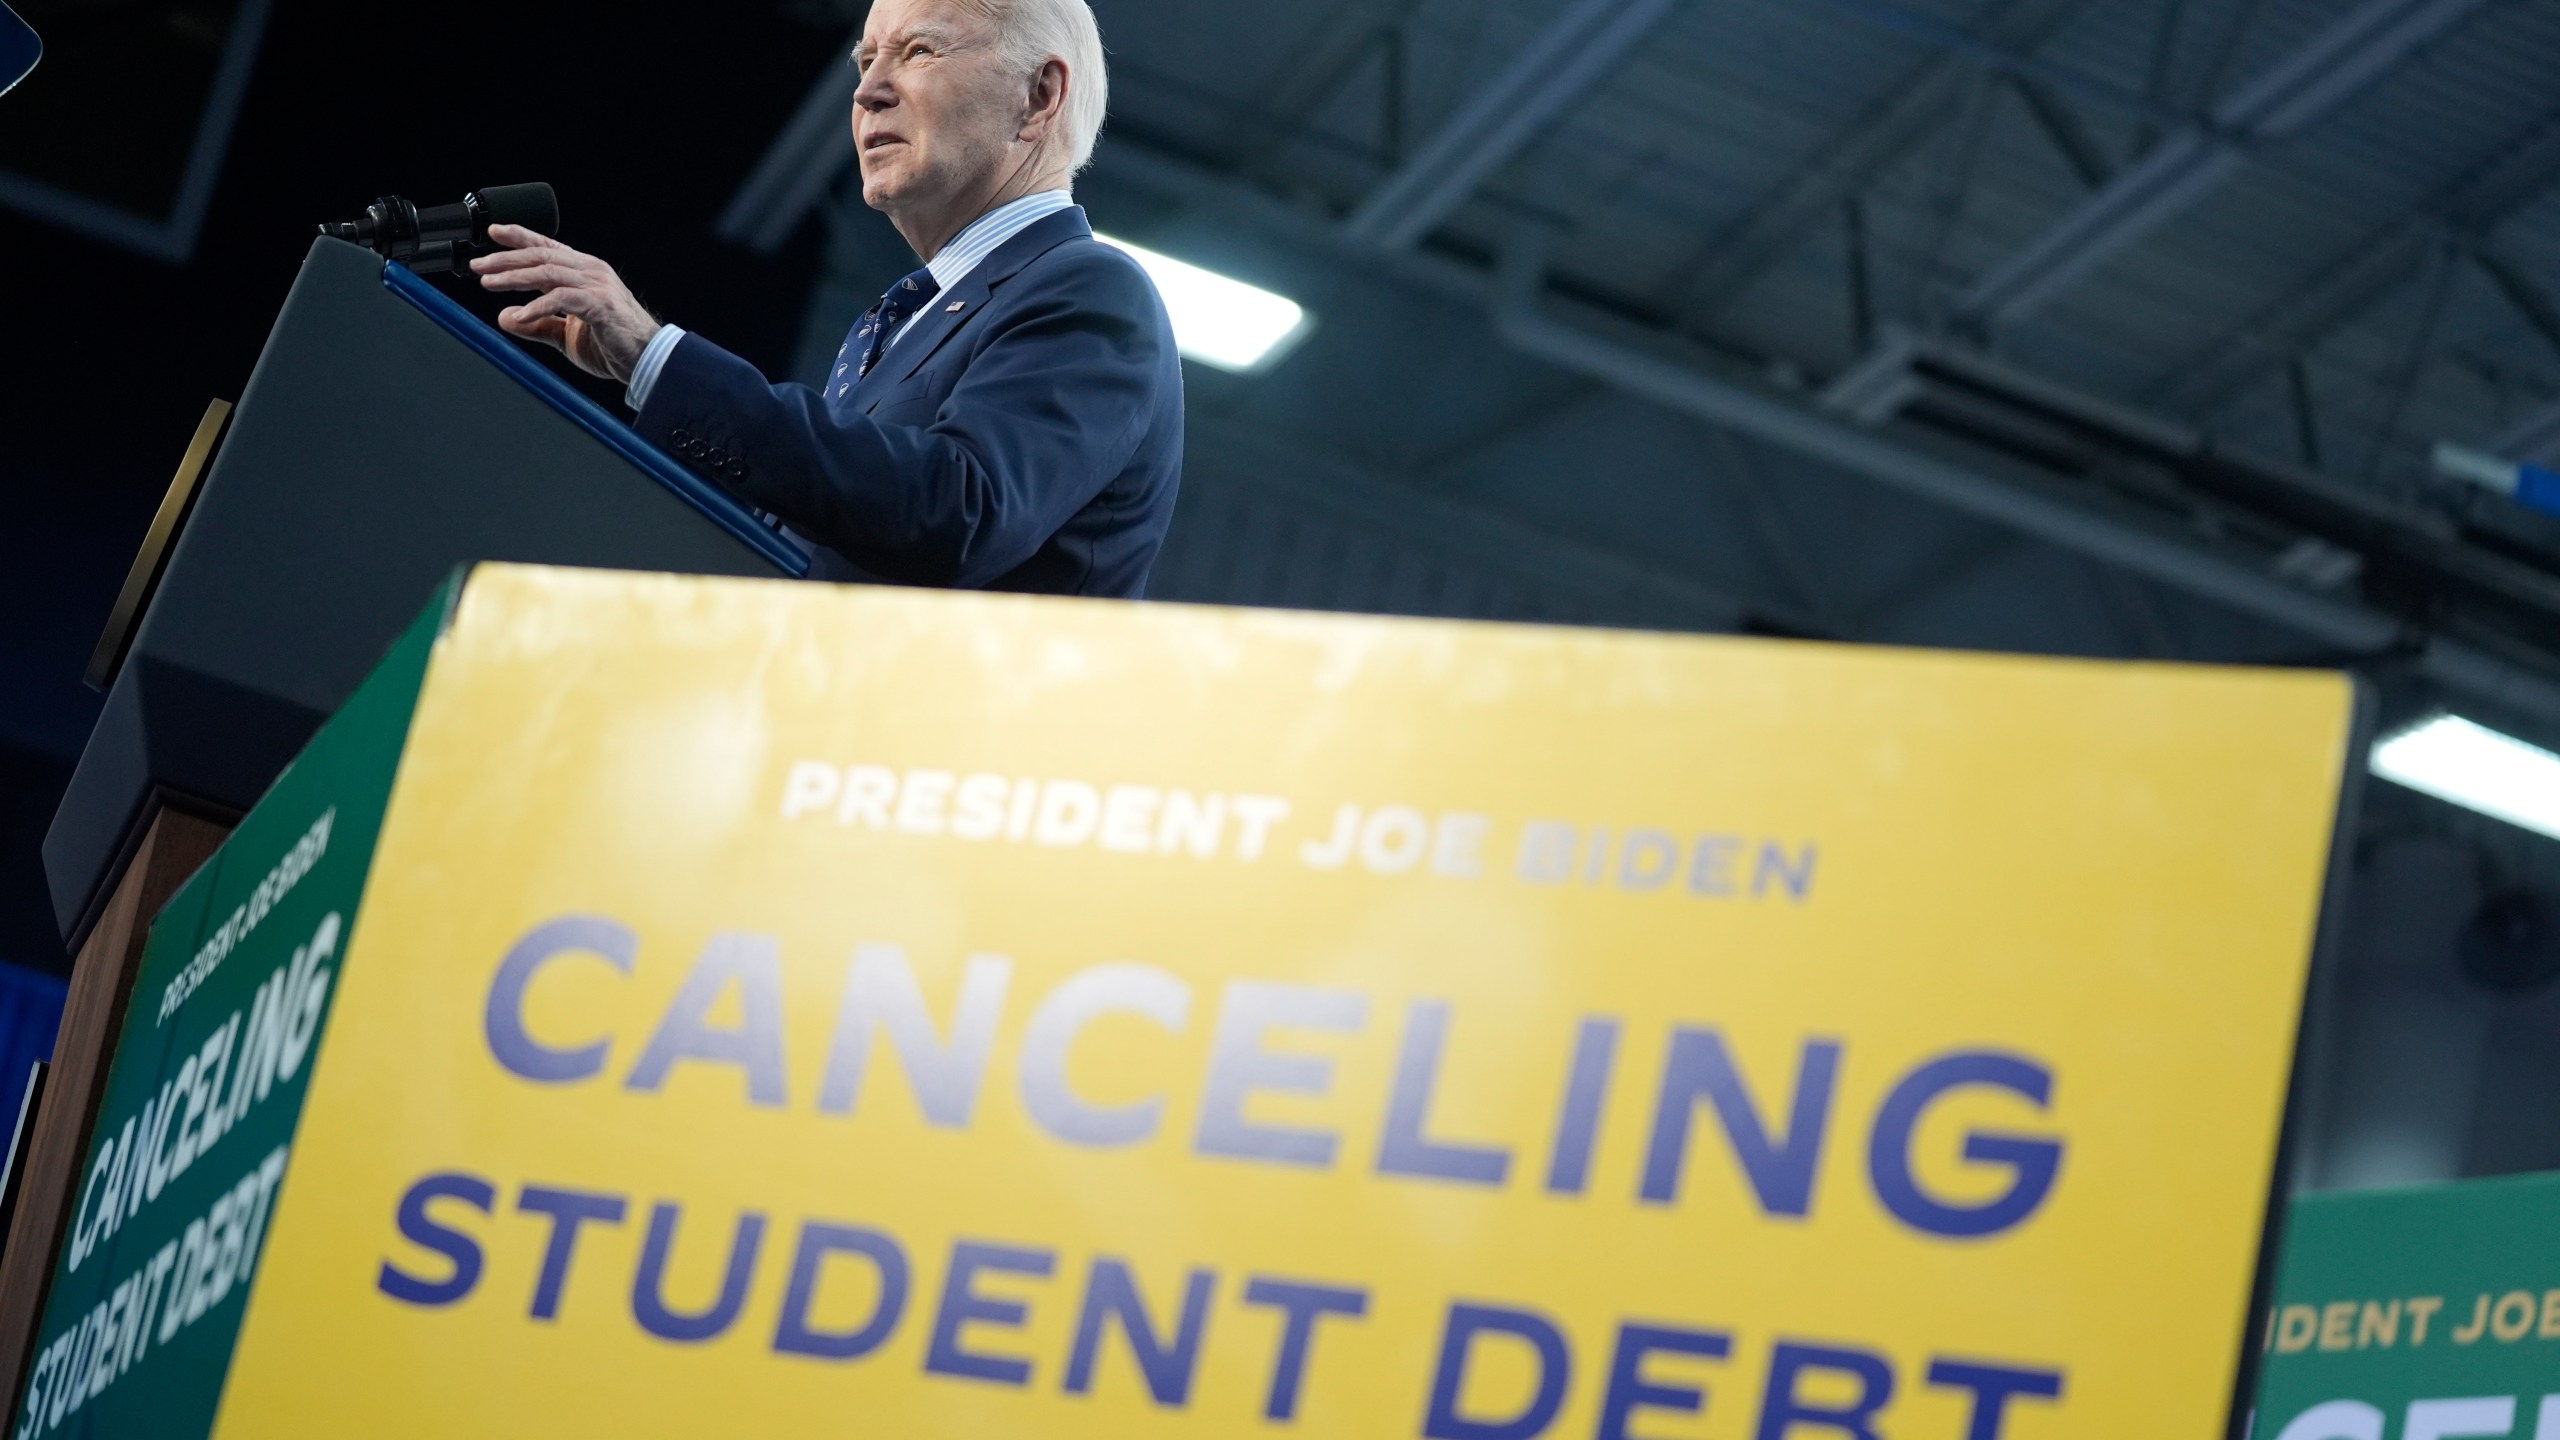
(874, 142)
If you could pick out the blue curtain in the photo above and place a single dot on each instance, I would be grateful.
(30, 1012)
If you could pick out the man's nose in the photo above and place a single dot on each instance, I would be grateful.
(875, 92)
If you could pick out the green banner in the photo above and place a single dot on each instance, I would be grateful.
(211, 1062)
(2422, 1314)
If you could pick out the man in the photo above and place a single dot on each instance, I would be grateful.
(1007, 417)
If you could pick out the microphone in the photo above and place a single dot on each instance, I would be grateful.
(443, 238)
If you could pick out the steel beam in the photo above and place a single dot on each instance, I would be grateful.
(2185, 167)
(2532, 303)
(814, 146)
(2165, 34)
(1860, 259)
(2412, 363)
(2534, 437)
(1988, 56)
(2376, 265)
(1327, 57)
(1546, 79)
(1852, 161)
(2070, 135)
(2306, 417)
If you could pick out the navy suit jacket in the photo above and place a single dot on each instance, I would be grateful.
(1025, 434)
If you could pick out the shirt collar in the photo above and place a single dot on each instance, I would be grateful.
(954, 261)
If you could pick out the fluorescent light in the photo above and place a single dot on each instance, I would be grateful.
(1217, 320)
(2477, 768)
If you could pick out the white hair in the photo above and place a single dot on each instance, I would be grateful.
(1032, 32)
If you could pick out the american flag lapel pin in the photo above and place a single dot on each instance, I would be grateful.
(954, 307)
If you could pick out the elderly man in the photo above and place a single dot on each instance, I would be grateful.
(1007, 417)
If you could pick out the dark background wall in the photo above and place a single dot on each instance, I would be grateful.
(644, 117)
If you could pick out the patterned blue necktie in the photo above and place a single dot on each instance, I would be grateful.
(880, 325)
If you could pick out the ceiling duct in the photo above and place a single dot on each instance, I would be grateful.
(2420, 560)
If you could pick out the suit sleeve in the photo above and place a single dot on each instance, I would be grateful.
(1049, 405)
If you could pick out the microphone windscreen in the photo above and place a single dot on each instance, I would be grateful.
(532, 206)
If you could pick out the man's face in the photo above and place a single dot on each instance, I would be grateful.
(936, 114)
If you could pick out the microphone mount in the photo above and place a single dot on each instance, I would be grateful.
(443, 239)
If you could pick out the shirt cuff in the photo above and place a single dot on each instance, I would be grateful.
(644, 376)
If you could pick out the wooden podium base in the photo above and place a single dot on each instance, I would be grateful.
(174, 845)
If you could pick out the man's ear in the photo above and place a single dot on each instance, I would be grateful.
(1046, 102)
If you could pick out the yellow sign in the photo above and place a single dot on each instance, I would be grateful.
(780, 1010)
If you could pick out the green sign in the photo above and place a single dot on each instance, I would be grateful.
(2422, 1314)
(211, 1061)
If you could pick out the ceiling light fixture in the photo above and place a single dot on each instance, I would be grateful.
(2477, 768)
(1217, 320)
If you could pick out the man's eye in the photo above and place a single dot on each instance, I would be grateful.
(915, 50)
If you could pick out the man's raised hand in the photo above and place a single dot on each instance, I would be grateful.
(584, 311)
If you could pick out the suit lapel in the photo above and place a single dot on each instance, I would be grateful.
(948, 312)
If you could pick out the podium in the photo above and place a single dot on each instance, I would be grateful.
(386, 437)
